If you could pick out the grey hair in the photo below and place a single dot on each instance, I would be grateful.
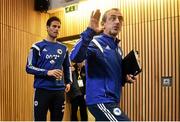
(104, 17)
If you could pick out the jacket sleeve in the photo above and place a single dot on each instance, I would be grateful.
(80, 50)
(67, 69)
(31, 66)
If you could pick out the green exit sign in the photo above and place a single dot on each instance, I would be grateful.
(71, 8)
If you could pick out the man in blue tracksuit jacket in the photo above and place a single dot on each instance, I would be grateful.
(103, 59)
(49, 62)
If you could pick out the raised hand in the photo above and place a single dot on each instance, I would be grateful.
(57, 73)
(94, 21)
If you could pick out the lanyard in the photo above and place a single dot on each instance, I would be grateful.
(79, 73)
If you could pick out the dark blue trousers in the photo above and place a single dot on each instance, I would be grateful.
(45, 100)
(107, 112)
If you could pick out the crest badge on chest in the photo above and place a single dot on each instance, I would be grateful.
(59, 51)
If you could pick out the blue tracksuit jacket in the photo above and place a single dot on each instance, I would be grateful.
(103, 66)
(44, 56)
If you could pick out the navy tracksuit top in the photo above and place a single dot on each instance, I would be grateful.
(44, 56)
(103, 66)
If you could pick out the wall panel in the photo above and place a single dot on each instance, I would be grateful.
(20, 26)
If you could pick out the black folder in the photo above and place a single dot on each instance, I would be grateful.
(130, 63)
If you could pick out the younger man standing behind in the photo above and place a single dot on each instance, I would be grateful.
(48, 61)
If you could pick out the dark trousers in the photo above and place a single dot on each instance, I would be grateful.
(78, 101)
(107, 112)
(45, 100)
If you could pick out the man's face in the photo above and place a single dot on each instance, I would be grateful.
(53, 29)
(113, 23)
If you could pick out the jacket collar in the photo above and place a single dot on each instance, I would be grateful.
(113, 42)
